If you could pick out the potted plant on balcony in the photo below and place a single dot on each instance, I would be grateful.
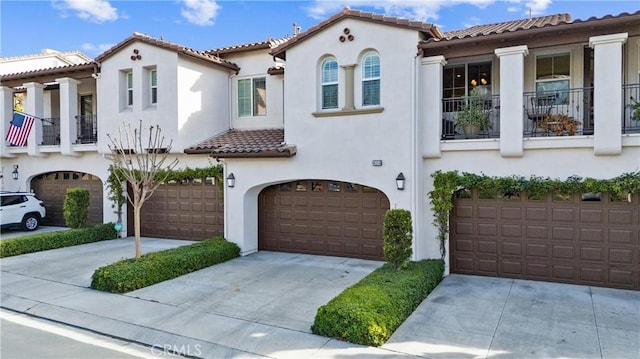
(635, 109)
(472, 117)
(559, 125)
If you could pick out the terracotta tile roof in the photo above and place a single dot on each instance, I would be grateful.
(543, 23)
(508, 26)
(248, 143)
(346, 13)
(267, 44)
(58, 71)
(168, 46)
(276, 70)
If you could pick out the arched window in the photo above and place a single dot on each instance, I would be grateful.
(329, 83)
(371, 79)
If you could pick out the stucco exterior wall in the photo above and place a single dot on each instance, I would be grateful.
(255, 64)
(202, 103)
(337, 148)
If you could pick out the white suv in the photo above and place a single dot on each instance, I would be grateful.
(21, 209)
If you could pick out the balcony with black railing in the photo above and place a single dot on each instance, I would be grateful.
(631, 108)
(87, 129)
(458, 112)
(558, 113)
(51, 131)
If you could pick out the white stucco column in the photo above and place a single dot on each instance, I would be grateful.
(349, 103)
(34, 106)
(607, 93)
(68, 113)
(430, 105)
(6, 114)
(511, 99)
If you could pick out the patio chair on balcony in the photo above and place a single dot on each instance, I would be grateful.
(540, 109)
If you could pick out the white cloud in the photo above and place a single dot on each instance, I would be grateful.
(95, 48)
(472, 21)
(537, 7)
(200, 12)
(97, 11)
(412, 9)
(513, 9)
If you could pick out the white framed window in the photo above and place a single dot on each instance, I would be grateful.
(329, 83)
(153, 82)
(252, 97)
(129, 76)
(371, 79)
(552, 76)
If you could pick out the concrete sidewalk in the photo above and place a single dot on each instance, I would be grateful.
(263, 305)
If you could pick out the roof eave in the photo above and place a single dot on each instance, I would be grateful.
(576, 25)
(287, 152)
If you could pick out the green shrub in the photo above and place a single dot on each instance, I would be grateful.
(397, 237)
(130, 274)
(57, 239)
(370, 311)
(76, 207)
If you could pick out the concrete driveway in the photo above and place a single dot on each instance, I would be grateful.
(263, 305)
(484, 317)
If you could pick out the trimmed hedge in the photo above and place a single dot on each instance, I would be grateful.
(371, 310)
(56, 239)
(76, 207)
(130, 274)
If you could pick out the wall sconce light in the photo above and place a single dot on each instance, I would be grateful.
(400, 182)
(14, 174)
(231, 180)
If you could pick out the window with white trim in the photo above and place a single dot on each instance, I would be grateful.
(329, 83)
(153, 81)
(552, 76)
(252, 97)
(129, 76)
(371, 80)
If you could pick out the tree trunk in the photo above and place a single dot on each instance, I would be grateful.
(136, 224)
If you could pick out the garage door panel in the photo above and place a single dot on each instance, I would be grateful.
(188, 210)
(52, 189)
(569, 240)
(331, 218)
(622, 236)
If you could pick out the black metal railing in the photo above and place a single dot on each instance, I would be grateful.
(51, 131)
(631, 108)
(87, 129)
(452, 109)
(558, 113)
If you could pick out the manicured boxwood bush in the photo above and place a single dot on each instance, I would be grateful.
(397, 234)
(371, 310)
(56, 239)
(130, 274)
(76, 207)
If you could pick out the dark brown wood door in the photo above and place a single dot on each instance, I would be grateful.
(322, 217)
(191, 210)
(52, 189)
(588, 239)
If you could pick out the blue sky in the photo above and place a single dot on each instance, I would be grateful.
(92, 26)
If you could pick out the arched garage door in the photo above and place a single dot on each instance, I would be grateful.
(190, 210)
(322, 217)
(52, 189)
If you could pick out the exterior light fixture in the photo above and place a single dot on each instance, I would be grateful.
(231, 180)
(400, 182)
(14, 174)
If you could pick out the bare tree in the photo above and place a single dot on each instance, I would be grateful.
(144, 165)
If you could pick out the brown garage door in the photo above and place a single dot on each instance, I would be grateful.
(190, 210)
(322, 217)
(52, 189)
(589, 239)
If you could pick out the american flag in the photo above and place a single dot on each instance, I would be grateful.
(19, 129)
